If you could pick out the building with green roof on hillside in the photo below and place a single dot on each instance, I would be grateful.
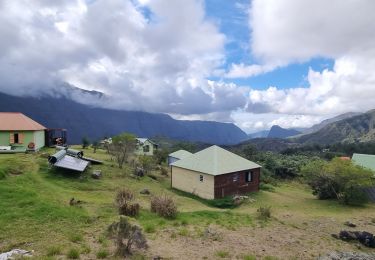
(365, 160)
(215, 173)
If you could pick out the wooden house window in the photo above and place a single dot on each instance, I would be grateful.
(146, 148)
(201, 178)
(236, 177)
(249, 176)
(16, 138)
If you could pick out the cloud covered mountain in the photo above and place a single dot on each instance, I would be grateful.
(95, 123)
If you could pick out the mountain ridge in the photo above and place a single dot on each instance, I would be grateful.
(95, 123)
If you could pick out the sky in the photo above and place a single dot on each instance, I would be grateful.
(253, 63)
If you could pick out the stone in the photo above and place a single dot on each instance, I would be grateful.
(140, 172)
(15, 254)
(145, 192)
(97, 174)
(349, 224)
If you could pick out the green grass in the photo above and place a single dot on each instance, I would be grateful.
(73, 253)
(222, 254)
(249, 257)
(54, 250)
(102, 253)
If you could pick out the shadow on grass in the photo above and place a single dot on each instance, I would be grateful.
(224, 203)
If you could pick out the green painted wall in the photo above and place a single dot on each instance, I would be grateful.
(140, 149)
(36, 137)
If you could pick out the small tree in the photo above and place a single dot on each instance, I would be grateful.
(122, 147)
(147, 163)
(127, 236)
(339, 180)
(95, 145)
(85, 142)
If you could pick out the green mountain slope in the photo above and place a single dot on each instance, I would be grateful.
(360, 128)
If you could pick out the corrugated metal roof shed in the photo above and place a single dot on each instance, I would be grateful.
(215, 161)
(15, 121)
(180, 154)
(364, 160)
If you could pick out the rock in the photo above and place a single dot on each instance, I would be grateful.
(140, 172)
(157, 258)
(365, 238)
(16, 253)
(349, 224)
(347, 235)
(97, 174)
(145, 191)
(347, 256)
(74, 202)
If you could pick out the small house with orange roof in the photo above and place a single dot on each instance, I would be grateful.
(20, 133)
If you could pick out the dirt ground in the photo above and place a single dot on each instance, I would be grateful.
(305, 240)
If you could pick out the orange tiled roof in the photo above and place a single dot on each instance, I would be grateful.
(15, 121)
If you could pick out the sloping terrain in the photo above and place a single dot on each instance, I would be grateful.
(358, 128)
(35, 215)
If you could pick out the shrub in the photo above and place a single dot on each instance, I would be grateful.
(127, 236)
(266, 187)
(249, 257)
(339, 180)
(102, 253)
(73, 253)
(124, 204)
(164, 206)
(163, 171)
(264, 213)
(354, 196)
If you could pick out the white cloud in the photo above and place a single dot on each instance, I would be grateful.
(244, 71)
(157, 64)
(285, 32)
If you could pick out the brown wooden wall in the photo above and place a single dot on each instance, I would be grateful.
(225, 186)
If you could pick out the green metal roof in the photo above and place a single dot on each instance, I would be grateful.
(364, 160)
(180, 154)
(215, 161)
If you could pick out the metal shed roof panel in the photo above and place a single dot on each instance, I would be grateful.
(180, 154)
(364, 160)
(215, 161)
(72, 163)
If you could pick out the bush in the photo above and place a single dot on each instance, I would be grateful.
(163, 171)
(339, 180)
(124, 203)
(264, 213)
(354, 196)
(266, 187)
(127, 236)
(164, 206)
(73, 253)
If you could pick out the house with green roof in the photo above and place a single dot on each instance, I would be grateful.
(177, 155)
(145, 146)
(215, 173)
(364, 160)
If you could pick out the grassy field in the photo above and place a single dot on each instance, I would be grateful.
(35, 214)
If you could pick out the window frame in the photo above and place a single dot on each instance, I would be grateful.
(249, 176)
